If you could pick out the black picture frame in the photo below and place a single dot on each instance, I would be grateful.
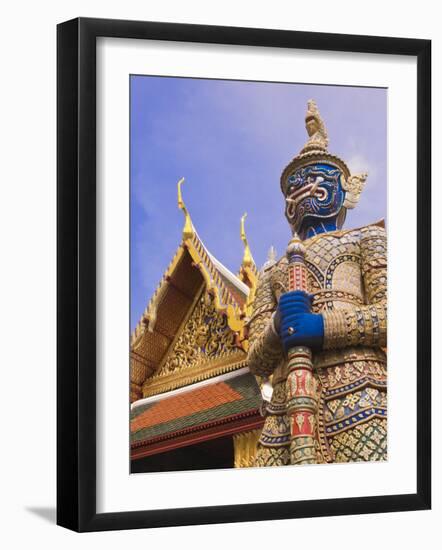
(76, 273)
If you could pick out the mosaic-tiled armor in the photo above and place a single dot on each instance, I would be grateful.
(347, 278)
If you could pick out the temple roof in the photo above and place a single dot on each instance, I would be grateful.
(226, 400)
(192, 271)
(229, 288)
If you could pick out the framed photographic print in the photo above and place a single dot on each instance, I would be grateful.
(237, 211)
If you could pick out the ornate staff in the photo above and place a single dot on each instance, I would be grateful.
(302, 402)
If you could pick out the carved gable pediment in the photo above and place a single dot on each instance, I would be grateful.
(204, 346)
(204, 337)
(194, 326)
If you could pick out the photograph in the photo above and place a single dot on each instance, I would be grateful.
(258, 274)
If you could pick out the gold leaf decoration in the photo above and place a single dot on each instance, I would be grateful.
(205, 336)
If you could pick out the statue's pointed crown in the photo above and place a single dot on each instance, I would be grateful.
(315, 150)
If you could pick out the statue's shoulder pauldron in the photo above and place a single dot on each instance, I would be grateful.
(372, 231)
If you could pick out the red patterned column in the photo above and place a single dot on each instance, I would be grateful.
(301, 393)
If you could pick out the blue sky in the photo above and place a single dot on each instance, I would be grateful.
(231, 141)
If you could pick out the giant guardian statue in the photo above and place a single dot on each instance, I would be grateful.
(318, 330)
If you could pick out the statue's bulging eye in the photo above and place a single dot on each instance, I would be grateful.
(321, 193)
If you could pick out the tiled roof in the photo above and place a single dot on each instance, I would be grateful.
(209, 404)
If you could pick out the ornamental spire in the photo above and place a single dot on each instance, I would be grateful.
(188, 230)
(247, 259)
(271, 255)
(315, 150)
(271, 258)
(318, 137)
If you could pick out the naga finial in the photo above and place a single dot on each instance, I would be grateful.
(318, 137)
(188, 230)
(247, 259)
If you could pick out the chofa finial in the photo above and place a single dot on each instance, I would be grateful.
(188, 230)
(247, 259)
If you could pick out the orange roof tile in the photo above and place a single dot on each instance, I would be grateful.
(185, 404)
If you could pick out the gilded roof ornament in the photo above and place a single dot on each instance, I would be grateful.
(249, 275)
(188, 230)
(247, 259)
